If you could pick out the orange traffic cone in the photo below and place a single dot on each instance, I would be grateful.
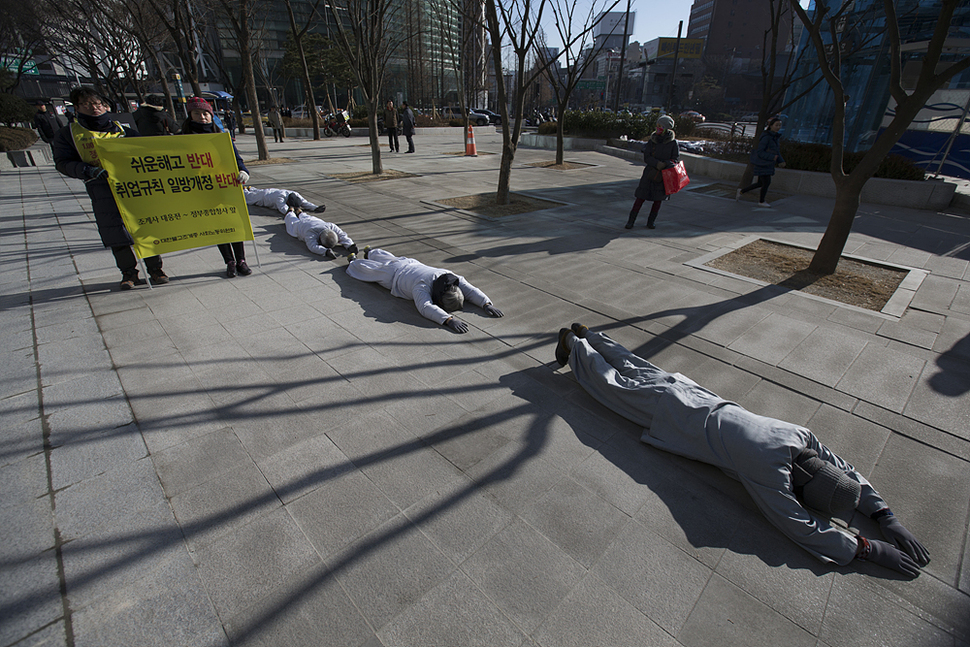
(470, 150)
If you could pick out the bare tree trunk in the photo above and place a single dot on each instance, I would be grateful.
(560, 157)
(849, 186)
(249, 78)
(826, 258)
(308, 85)
(375, 144)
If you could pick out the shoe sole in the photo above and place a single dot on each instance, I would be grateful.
(562, 352)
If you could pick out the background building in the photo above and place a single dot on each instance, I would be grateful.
(866, 72)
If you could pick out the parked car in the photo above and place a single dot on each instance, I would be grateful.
(694, 116)
(494, 118)
(303, 113)
(454, 112)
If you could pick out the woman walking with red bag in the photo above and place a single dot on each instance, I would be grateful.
(659, 152)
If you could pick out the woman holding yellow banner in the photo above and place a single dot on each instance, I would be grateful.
(75, 156)
(199, 122)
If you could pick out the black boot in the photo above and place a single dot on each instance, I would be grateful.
(629, 223)
(652, 219)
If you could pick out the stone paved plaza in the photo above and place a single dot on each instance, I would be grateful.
(298, 458)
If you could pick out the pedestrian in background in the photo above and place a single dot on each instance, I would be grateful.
(229, 121)
(152, 119)
(46, 122)
(659, 152)
(765, 158)
(276, 122)
(407, 126)
(390, 122)
(200, 122)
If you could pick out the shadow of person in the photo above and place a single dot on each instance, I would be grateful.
(953, 379)
(561, 245)
(376, 302)
(281, 242)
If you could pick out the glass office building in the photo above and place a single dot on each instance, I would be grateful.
(866, 69)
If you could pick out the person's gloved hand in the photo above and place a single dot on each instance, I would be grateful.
(95, 173)
(330, 253)
(891, 557)
(661, 166)
(243, 177)
(352, 249)
(896, 534)
(493, 311)
(457, 325)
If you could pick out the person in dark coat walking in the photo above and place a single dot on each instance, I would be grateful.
(407, 126)
(152, 119)
(75, 156)
(764, 158)
(390, 122)
(660, 152)
(199, 122)
(229, 121)
(46, 122)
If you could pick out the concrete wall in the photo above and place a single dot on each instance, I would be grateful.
(928, 194)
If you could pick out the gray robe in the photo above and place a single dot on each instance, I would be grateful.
(686, 419)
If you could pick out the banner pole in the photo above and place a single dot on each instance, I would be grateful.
(148, 278)
(256, 251)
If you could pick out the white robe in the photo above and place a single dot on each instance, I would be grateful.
(308, 229)
(407, 278)
(275, 199)
(684, 418)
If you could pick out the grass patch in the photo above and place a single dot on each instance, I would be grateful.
(367, 176)
(565, 166)
(866, 285)
(484, 204)
(272, 160)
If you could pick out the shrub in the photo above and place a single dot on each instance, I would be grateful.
(16, 139)
(359, 112)
(818, 157)
(548, 128)
(14, 109)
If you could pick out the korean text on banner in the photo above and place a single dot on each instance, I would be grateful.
(176, 193)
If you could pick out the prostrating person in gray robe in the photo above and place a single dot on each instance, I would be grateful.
(435, 292)
(797, 482)
(319, 235)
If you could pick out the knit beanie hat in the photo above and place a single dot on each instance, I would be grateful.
(198, 103)
(824, 486)
(666, 122)
(446, 294)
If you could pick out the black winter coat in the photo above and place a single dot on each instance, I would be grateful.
(407, 122)
(659, 148)
(151, 121)
(767, 154)
(68, 162)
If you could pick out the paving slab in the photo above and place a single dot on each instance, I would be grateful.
(298, 458)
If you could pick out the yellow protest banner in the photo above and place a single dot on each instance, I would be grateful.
(176, 193)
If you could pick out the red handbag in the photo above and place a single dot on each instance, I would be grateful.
(675, 178)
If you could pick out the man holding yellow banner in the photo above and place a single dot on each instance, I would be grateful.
(75, 156)
(177, 193)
